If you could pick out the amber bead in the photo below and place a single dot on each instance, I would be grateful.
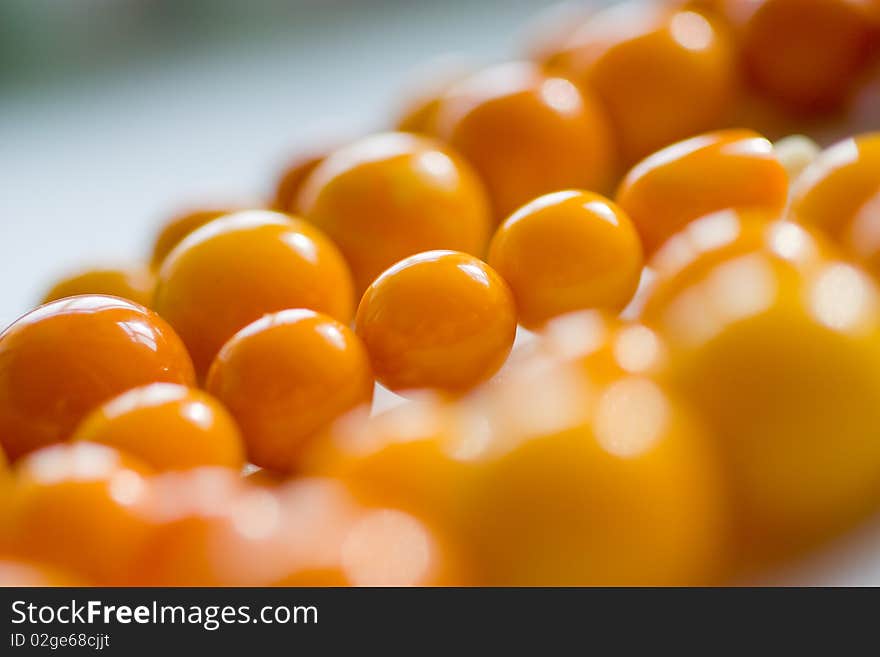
(62, 360)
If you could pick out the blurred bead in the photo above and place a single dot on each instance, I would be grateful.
(861, 238)
(662, 74)
(567, 251)
(653, 512)
(210, 529)
(235, 270)
(796, 153)
(831, 190)
(72, 506)
(135, 284)
(730, 169)
(291, 181)
(179, 227)
(527, 134)
(781, 357)
(62, 360)
(439, 319)
(166, 426)
(392, 195)
(777, 39)
(285, 378)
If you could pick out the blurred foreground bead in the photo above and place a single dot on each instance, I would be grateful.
(168, 427)
(285, 377)
(527, 134)
(60, 361)
(661, 74)
(392, 195)
(729, 169)
(834, 187)
(235, 270)
(567, 251)
(779, 351)
(73, 507)
(135, 284)
(439, 319)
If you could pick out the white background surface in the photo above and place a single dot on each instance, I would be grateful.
(90, 164)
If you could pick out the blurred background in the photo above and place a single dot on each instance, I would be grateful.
(116, 113)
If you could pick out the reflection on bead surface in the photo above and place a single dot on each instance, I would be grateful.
(567, 251)
(661, 74)
(734, 169)
(439, 319)
(168, 427)
(62, 360)
(285, 378)
(392, 195)
(136, 284)
(231, 272)
(527, 134)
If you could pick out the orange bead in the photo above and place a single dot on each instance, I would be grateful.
(527, 134)
(285, 378)
(832, 189)
(177, 228)
(62, 360)
(439, 319)
(777, 349)
(392, 195)
(290, 184)
(661, 74)
(777, 39)
(73, 506)
(136, 284)
(567, 251)
(232, 272)
(168, 427)
(731, 169)
(25, 573)
(862, 237)
(583, 485)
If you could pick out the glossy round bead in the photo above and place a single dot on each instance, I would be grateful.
(777, 39)
(62, 360)
(235, 270)
(439, 319)
(168, 427)
(73, 506)
(285, 378)
(135, 284)
(652, 513)
(782, 359)
(173, 232)
(661, 74)
(527, 134)
(567, 251)
(730, 169)
(290, 183)
(832, 189)
(392, 195)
